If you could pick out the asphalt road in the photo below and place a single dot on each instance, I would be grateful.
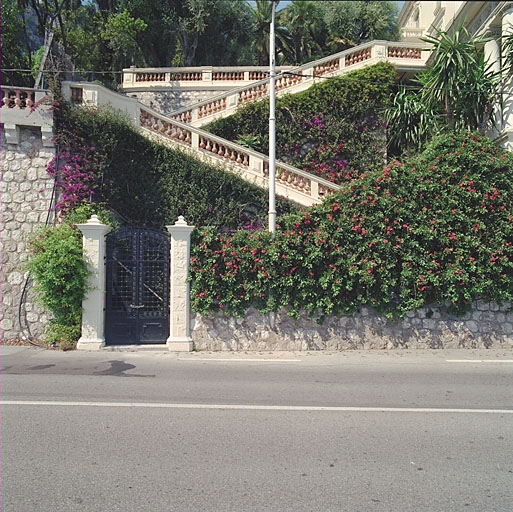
(354, 431)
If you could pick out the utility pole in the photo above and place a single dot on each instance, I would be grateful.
(272, 129)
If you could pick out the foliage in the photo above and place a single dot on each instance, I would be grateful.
(458, 81)
(437, 229)
(147, 183)
(14, 55)
(459, 91)
(304, 22)
(410, 122)
(60, 274)
(262, 16)
(73, 170)
(120, 33)
(333, 129)
(352, 23)
(101, 36)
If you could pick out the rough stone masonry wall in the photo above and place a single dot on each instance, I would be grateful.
(488, 325)
(25, 197)
(166, 102)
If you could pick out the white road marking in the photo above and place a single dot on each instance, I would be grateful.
(249, 407)
(240, 360)
(479, 360)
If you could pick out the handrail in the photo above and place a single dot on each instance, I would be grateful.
(405, 55)
(197, 77)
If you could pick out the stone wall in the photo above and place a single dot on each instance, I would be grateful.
(166, 102)
(487, 325)
(26, 191)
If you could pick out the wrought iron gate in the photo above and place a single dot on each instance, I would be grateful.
(137, 302)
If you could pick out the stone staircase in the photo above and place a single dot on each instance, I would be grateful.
(181, 128)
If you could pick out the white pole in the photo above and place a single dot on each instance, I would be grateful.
(272, 130)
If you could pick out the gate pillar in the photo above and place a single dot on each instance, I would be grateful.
(93, 305)
(179, 319)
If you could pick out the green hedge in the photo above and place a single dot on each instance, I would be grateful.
(150, 184)
(334, 129)
(437, 229)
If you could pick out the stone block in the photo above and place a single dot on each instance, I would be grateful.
(6, 324)
(8, 176)
(494, 306)
(429, 323)
(472, 326)
(507, 328)
(15, 278)
(32, 317)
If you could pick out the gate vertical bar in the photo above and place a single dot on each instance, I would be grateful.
(179, 319)
(93, 305)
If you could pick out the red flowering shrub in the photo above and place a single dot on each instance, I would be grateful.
(436, 229)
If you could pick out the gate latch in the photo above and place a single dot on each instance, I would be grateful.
(133, 306)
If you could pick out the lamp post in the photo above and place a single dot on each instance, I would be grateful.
(272, 129)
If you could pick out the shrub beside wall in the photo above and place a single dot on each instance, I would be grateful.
(435, 230)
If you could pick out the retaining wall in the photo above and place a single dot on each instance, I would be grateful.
(26, 191)
(488, 325)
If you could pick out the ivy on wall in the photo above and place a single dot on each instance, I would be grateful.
(150, 184)
(335, 129)
(436, 229)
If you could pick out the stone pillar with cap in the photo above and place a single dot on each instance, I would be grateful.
(179, 319)
(93, 305)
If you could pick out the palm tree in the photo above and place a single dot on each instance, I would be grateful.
(460, 81)
(409, 121)
(460, 91)
(262, 21)
(303, 19)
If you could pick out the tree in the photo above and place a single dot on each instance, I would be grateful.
(120, 32)
(225, 43)
(352, 23)
(409, 121)
(457, 81)
(14, 55)
(304, 22)
(262, 20)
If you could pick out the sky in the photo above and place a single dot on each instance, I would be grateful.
(284, 3)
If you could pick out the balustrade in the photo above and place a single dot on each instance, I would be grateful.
(224, 151)
(358, 56)
(326, 67)
(228, 75)
(18, 98)
(150, 77)
(252, 93)
(211, 107)
(325, 191)
(258, 75)
(193, 76)
(293, 180)
(399, 52)
(183, 117)
(164, 128)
